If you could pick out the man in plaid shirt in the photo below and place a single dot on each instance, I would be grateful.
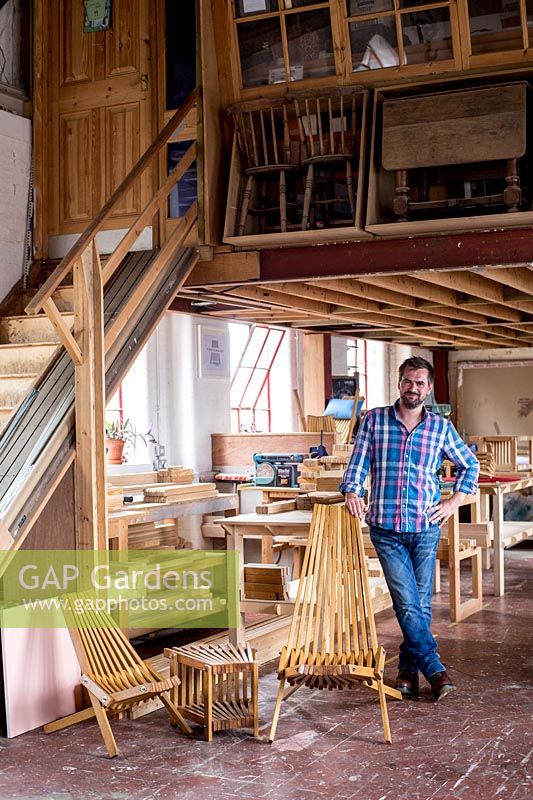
(403, 447)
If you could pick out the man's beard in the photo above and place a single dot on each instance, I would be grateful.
(411, 402)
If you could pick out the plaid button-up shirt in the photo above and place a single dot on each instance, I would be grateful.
(403, 467)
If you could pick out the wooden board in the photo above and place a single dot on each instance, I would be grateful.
(454, 127)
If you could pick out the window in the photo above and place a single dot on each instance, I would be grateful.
(356, 360)
(257, 346)
(499, 30)
(283, 40)
(390, 33)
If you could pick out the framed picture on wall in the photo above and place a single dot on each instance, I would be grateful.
(213, 355)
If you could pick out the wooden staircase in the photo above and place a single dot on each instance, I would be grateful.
(26, 346)
(46, 353)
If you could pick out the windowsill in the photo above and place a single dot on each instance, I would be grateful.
(128, 468)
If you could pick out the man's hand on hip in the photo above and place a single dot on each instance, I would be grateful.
(442, 512)
(355, 504)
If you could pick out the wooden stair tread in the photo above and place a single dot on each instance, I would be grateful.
(18, 375)
(17, 317)
(22, 345)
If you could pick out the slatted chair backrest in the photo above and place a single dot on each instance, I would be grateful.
(327, 123)
(333, 616)
(316, 424)
(104, 653)
(505, 451)
(263, 134)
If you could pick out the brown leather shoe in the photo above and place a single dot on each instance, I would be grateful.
(407, 682)
(441, 685)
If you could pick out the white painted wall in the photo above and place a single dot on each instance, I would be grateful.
(489, 399)
(15, 165)
(283, 379)
(189, 408)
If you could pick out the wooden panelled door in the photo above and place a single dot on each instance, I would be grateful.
(99, 112)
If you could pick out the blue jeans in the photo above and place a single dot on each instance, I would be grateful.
(408, 562)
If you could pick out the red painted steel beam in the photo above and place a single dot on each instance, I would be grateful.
(350, 259)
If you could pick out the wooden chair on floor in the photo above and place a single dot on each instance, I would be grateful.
(115, 676)
(332, 639)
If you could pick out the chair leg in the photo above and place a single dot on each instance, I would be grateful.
(255, 698)
(384, 712)
(294, 688)
(245, 204)
(307, 196)
(175, 716)
(276, 710)
(349, 187)
(283, 201)
(207, 677)
(105, 728)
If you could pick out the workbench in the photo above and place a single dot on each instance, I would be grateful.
(508, 533)
(137, 513)
(293, 524)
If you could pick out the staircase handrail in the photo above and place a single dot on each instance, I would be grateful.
(89, 234)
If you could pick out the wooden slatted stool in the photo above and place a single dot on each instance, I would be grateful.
(218, 685)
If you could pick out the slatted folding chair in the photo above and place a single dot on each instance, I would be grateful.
(115, 676)
(332, 639)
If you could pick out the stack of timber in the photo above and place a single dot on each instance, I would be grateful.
(316, 476)
(306, 502)
(266, 582)
(337, 460)
(276, 507)
(487, 465)
(173, 492)
(342, 452)
(156, 536)
(177, 474)
(212, 529)
(115, 497)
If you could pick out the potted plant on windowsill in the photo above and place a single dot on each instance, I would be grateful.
(118, 434)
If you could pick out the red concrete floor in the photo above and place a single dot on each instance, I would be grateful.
(475, 745)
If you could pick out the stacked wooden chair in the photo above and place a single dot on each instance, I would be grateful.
(327, 122)
(114, 675)
(269, 155)
(332, 640)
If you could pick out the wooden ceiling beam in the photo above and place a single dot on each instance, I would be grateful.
(466, 282)
(409, 285)
(374, 319)
(360, 288)
(459, 313)
(277, 299)
(519, 278)
(325, 295)
(493, 310)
